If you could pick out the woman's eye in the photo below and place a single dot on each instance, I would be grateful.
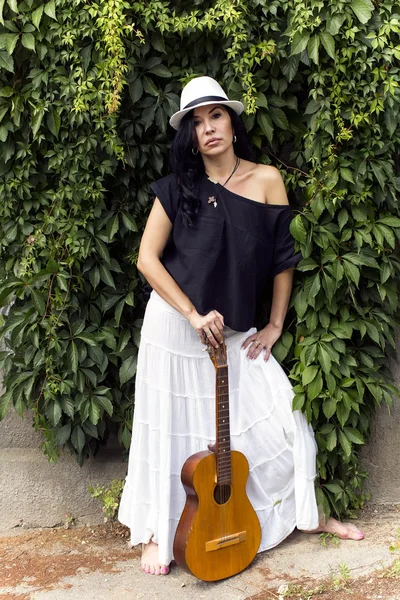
(216, 115)
(195, 123)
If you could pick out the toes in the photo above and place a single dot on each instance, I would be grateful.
(164, 570)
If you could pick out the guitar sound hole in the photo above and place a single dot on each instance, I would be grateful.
(222, 493)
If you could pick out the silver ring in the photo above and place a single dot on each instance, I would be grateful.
(208, 332)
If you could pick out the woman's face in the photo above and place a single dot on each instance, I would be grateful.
(213, 129)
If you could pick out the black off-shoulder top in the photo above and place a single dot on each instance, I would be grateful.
(223, 261)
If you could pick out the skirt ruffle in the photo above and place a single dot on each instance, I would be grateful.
(175, 418)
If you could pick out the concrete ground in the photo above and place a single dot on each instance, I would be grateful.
(97, 563)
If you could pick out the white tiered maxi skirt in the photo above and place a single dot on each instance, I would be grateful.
(175, 417)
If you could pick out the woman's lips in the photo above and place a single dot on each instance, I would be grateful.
(213, 141)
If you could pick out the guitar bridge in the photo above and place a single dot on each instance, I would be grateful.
(226, 540)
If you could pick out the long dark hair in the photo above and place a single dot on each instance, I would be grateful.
(189, 168)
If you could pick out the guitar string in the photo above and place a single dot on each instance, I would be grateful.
(224, 470)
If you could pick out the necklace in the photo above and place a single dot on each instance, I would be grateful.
(214, 199)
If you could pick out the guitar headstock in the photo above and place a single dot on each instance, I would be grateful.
(218, 355)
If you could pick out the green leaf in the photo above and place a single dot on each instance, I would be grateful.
(53, 121)
(391, 221)
(5, 400)
(37, 17)
(6, 61)
(63, 434)
(328, 43)
(149, 86)
(87, 338)
(347, 175)
(363, 9)
(324, 359)
(94, 276)
(106, 276)
(312, 107)
(28, 41)
(312, 48)
(266, 125)
(38, 302)
(315, 387)
(160, 71)
(379, 174)
(298, 401)
(315, 287)
(73, 356)
(345, 443)
(342, 412)
(298, 230)
(279, 117)
(8, 41)
(307, 264)
(103, 250)
(352, 272)
(54, 412)
(112, 227)
(105, 403)
(68, 407)
(13, 5)
(127, 370)
(129, 221)
(354, 435)
(299, 43)
(78, 438)
(130, 299)
(118, 311)
(309, 374)
(331, 440)
(36, 121)
(333, 24)
(333, 487)
(94, 412)
(290, 68)
(329, 407)
(50, 9)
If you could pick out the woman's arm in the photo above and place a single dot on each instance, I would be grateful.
(282, 290)
(154, 240)
(267, 337)
(157, 231)
(275, 193)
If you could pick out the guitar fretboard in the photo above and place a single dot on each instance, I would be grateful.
(223, 442)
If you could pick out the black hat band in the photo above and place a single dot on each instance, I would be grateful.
(205, 99)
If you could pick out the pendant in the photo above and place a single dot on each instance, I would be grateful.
(212, 200)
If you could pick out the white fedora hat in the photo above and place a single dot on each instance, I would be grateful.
(201, 91)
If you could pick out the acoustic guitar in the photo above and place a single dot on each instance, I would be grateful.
(218, 534)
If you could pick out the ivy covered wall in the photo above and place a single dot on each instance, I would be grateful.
(86, 89)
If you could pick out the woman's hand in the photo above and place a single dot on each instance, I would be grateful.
(263, 339)
(208, 327)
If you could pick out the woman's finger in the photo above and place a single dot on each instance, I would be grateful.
(267, 354)
(248, 340)
(220, 317)
(216, 333)
(218, 324)
(202, 336)
(210, 336)
(254, 349)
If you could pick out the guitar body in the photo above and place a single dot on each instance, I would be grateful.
(215, 538)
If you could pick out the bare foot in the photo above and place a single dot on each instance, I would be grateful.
(150, 563)
(344, 531)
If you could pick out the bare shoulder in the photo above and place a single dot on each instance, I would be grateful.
(270, 177)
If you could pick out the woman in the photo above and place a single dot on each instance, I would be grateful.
(218, 229)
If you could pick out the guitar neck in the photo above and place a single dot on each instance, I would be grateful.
(223, 439)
